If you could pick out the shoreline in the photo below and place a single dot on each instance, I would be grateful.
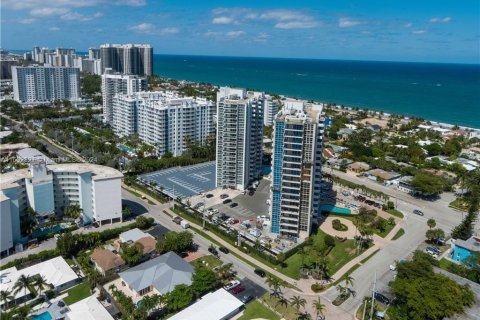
(340, 107)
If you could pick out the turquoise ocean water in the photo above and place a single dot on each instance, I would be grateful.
(447, 93)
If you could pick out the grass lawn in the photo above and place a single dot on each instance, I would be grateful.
(287, 311)
(210, 260)
(395, 212)
(255, 310)
(459, 204)
(337, 257)
(388, 228)
(77, 293)
(399, 233)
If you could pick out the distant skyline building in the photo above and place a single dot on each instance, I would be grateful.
(127, 58)
(115, 83)
(271, 107)
(239, 137)
(41, 84)
(296, 173)
(49, 189)
(164, 120)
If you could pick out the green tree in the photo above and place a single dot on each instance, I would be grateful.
(427, 183)
(178, 241)
(465, 229)
(329, 241)
(179, 298)
(73, 211)
(298, 303)
(143, 222)
(40, 283)
(5, 297)
(67, 244)
(22, 283)
(424, 295)
(91, 84)
(431, 223)
(132, 254)
(319, 308)
(203, 281)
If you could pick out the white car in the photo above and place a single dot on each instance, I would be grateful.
(232, 284)
(393, 267)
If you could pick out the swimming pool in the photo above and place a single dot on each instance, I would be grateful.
(42, 316)
(43, 232)
(336, 210)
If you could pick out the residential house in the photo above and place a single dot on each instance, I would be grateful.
(382, 175)
(359, 166)
(105, 260)
(159, 275)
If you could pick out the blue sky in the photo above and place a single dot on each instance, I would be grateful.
(425, 30)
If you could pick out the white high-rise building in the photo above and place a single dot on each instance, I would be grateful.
(296, 172)
(271, 107)
(41, 84)
(127, 58)
(164, 120)
(49, 189)
(239, 137)
(114, 83)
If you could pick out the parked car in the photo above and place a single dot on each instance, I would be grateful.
(432, 252)
(260, 272)
(246, 298)
(233, 205)
(227, 201)
(232, 284)
(209, 195)
(212, 250)
(442, 241)
(380, 297)
(224, 250)
(177, 219)
(238, 289)
(416, 211)
(223, 196)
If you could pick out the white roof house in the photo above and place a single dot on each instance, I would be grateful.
(133, 235)
(88, 309)
(56, 271)
(218, 305)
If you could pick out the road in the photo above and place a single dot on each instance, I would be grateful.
(243, 269)
(415, 228)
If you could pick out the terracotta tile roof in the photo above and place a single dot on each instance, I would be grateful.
(148, 244)
(105, 259)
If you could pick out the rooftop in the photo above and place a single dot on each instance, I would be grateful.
(133, 235)
(56, 271)
(216, 305)
(105, 259)
(33, 155)
(163, 273)
(385, 175)
(88, 309)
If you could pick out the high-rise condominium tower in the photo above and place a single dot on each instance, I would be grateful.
(39, 84)
(115, 83)
(297, 163)
(239, 137)
(127, 58)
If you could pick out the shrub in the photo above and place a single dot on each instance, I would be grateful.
(339, 226)
(317, 287)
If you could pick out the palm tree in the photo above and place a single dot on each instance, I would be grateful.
(23, 282)
(225, 272)
(319, 307)
(348, 280)
(431, 223)
(277, 288)
(5, 296)
(40, 283)
(297, 302)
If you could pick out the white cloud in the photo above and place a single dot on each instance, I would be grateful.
(419, 31)
(223, 20)
(348, 22)
(132, 3)
(47, 11)
(440, 20)
(408, 25)
(296, 25)
(261, 37)
(235, 34)
(38, 4)
(282, 18)
(27, 20)
(149, 28)
(54, 28)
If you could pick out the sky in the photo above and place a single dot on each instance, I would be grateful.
(392, 30)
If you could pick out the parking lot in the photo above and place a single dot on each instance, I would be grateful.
(183, 181)
(248, 206)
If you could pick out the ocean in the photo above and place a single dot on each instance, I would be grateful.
(448, 93)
